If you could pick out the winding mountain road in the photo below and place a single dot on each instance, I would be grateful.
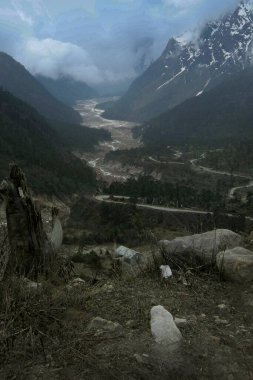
(231, 193)
(106, 198)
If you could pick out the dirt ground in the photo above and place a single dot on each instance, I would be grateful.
(217, 340)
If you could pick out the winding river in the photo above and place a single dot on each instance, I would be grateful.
(121, 132)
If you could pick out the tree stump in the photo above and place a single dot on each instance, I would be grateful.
(31, 250)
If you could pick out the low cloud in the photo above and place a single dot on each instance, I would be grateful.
(97, 43)
(54, 59)
(182, 3)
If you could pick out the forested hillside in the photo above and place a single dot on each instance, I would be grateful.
(17, 80)
(221, 115)
(67, 90)
(26, 138)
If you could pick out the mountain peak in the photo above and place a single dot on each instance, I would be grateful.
(192, 64)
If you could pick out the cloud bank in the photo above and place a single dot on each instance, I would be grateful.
(95, 41)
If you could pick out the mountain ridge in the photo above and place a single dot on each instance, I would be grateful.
(67, 90)
(15, 79)
(189, 67)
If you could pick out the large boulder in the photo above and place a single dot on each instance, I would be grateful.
(204, 246)
(163, 328)
(236, 264)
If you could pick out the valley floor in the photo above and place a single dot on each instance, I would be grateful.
(121, 139)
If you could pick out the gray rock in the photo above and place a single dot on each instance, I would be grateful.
(163, 328)
(205, 246)
(103, 326)
(236, 264)
(129, 255)
(180, 322)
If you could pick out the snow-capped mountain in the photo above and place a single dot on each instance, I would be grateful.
(191, 65)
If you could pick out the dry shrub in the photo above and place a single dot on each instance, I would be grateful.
(29, 320)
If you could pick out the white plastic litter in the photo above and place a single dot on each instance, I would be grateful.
(166, 271)
(128, 254)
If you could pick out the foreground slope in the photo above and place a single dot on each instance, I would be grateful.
(26, 138)
(221, 115)
(189, 67)
(18, 81)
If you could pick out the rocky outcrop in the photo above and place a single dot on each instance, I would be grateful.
(204, 246)
(236, 264)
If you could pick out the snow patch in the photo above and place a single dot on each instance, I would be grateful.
(172, 79)
(205, 86)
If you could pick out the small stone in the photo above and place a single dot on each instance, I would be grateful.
(216, 339)
(108, 287)
(193, 319)
(77, 282)
(180, 322)
(103, 326)
(130, 324)
(222, 306)
(31, 284)
(221, 321)
(139, 358)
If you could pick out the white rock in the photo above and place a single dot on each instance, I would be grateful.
(166, 271)
(236, 264)
(163, 327)
(205, 246)
(129, 255)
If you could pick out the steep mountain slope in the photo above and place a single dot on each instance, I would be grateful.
(223, 114)
(190, 66)
(25, 137)
(67, 90)
(17, 80)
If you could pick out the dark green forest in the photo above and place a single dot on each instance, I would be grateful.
(150, 191)
(216, 118)
(26, 138)
(78, 137)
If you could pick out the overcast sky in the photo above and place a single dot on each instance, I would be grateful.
(97, 41)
